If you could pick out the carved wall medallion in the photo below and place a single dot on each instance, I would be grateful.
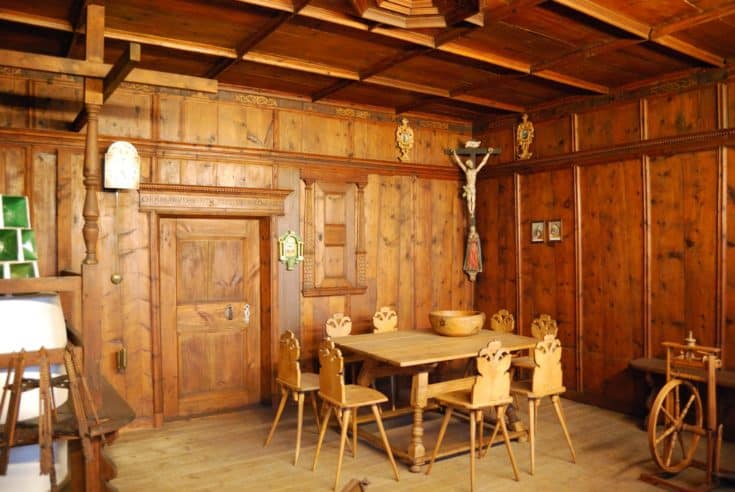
(290, 249)
(404, 139)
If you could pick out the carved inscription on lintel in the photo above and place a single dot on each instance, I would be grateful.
(209, 203)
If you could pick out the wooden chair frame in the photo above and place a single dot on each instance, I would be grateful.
(295, 383)
(345, 400)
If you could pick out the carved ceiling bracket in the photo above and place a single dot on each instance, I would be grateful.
(211, 200)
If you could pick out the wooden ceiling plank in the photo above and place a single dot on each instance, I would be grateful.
(608, 16)
(330, 89)
(586, 52)
(641, 29)
(387, 63)
(416, 103)
(693, 20)
(36, 20)
(572, 81)
(688, 49)
(508, 9)
(121, 69)
(490, 103)
(249, 43)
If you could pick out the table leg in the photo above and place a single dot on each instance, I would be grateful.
(416, 449)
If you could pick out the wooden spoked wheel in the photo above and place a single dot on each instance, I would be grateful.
(675, 425)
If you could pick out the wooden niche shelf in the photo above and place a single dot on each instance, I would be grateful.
(334, 238)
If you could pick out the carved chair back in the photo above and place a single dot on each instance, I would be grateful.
(542, 326)
(289, 370)
(547, 375)
(492, 383)
(503, 321)
(338, 325)
(384, 320)
(331, 373)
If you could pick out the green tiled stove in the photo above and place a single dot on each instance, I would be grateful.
(18, 253)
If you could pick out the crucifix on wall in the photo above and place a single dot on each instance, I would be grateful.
(472, 150)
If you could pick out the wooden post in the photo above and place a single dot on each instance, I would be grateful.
(93, 104)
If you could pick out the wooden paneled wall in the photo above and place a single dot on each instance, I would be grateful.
(647, 247)
(414, 223)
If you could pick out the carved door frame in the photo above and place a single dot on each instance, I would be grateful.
(177, 201)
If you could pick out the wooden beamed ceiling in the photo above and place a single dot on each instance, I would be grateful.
(510, 56)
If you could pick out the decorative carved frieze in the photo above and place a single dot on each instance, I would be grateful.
(352, 113)
(256, 100)
(211, 199)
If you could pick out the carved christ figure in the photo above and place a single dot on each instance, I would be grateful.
(470, 172)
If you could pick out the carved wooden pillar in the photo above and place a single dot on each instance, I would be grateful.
(360, 252)
(91, 183)
(308, 234)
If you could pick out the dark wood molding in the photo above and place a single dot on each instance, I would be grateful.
(655, 147)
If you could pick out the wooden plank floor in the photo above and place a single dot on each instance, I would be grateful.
(225, 453)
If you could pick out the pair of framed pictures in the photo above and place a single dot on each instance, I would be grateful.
(541, 231)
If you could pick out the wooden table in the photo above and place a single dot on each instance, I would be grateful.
(418, 352)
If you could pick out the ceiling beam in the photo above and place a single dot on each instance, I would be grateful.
(331, 89)
(692, 21)
(76, 18)
(508, 9)
(641, 29)
(565, 79)
(301, 65)
(254, 38)
(83, 68)
(121, 69)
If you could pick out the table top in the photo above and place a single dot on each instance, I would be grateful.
(413, 348)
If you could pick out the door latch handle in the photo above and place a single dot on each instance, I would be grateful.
(229, 312)
(246, 314)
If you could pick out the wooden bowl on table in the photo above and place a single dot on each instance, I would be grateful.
(457, 323)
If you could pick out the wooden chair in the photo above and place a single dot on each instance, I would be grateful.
(293, 381)
(546, 381)
(385, 320)
(503, 321)
(540, 327)
(345, 400)
(490, 389)
(340, 325)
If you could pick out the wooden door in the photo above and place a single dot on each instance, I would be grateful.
(210, 284)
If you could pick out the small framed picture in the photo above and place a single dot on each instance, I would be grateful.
(555, 230)
(537, 231)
